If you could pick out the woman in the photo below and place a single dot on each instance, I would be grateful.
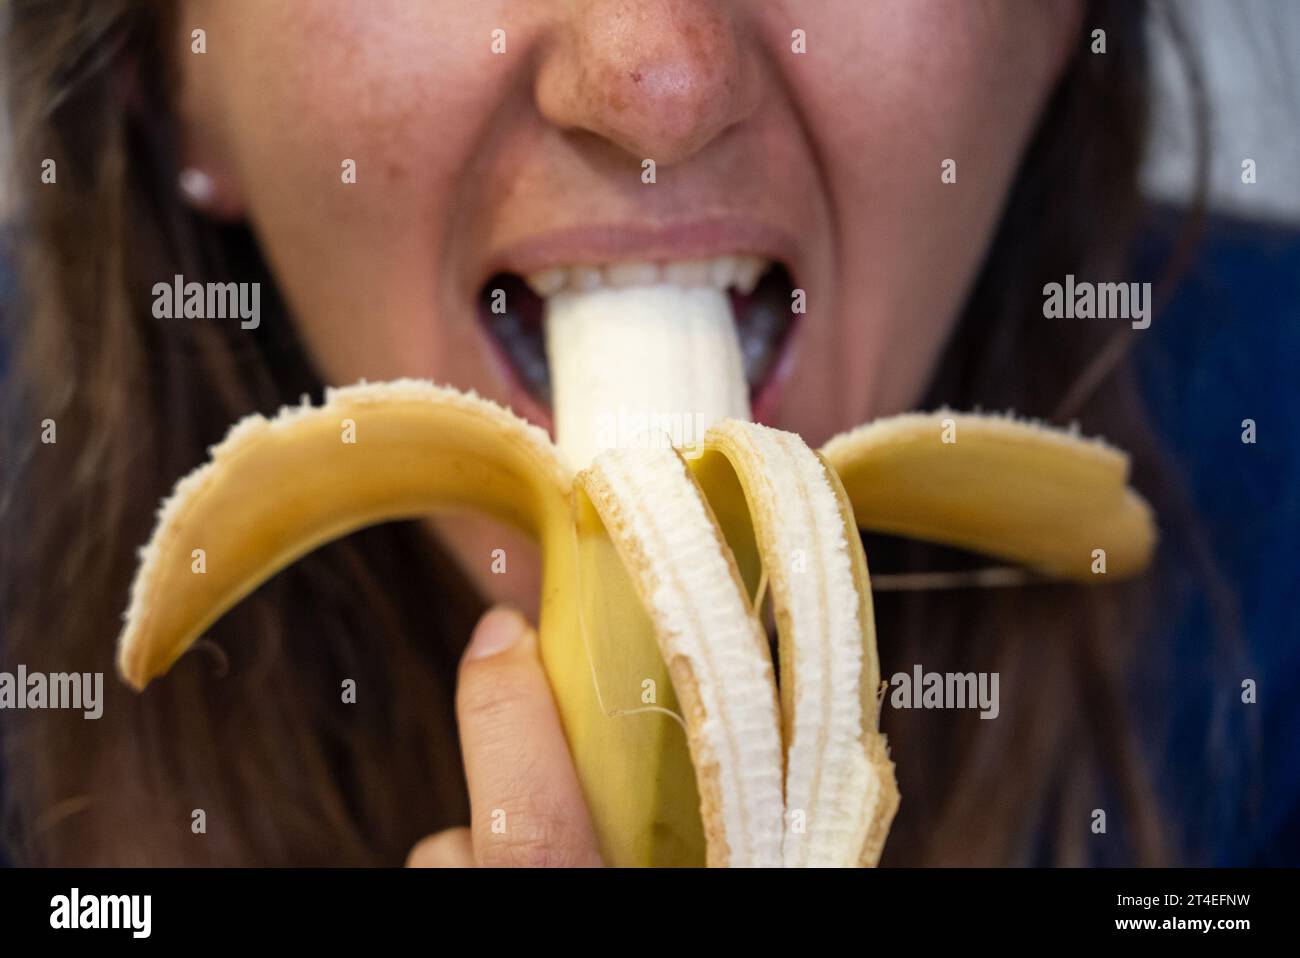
(373, 166)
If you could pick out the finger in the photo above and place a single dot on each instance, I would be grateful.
(526, 806)
(450, 848)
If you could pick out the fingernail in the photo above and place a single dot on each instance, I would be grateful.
(497, 631)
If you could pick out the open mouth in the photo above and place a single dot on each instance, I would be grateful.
(511, 309)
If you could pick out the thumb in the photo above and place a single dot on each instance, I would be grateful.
(526, 806)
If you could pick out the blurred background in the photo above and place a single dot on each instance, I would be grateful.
(1250, 54)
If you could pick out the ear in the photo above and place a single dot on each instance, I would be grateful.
(209, 180)
(205, 180)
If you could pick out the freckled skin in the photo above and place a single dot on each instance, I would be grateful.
(460, 151)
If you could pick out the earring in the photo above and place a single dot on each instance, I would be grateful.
(198, 188)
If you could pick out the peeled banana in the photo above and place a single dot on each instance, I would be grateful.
(661, 544)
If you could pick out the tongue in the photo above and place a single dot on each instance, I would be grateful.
(641, 366)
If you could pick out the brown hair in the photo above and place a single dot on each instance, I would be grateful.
(265, 751)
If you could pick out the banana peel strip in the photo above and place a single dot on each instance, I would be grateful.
(1039, 496)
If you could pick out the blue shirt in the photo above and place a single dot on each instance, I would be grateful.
(1227, 350)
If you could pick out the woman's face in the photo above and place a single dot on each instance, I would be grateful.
(470, 163)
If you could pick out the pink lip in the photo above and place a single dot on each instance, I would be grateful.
(599, 244)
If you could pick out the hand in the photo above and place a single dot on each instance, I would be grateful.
(526, 807)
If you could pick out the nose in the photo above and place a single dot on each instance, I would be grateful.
(660, 79)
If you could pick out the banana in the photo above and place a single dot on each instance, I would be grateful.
(665, 519)
(669, 364)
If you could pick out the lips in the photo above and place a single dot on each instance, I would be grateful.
(511, 310)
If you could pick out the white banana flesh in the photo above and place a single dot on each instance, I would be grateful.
(636, 366)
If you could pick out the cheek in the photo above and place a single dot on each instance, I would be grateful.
(929, 82)
(344, 126)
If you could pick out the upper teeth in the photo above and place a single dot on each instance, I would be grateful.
(721, 272)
